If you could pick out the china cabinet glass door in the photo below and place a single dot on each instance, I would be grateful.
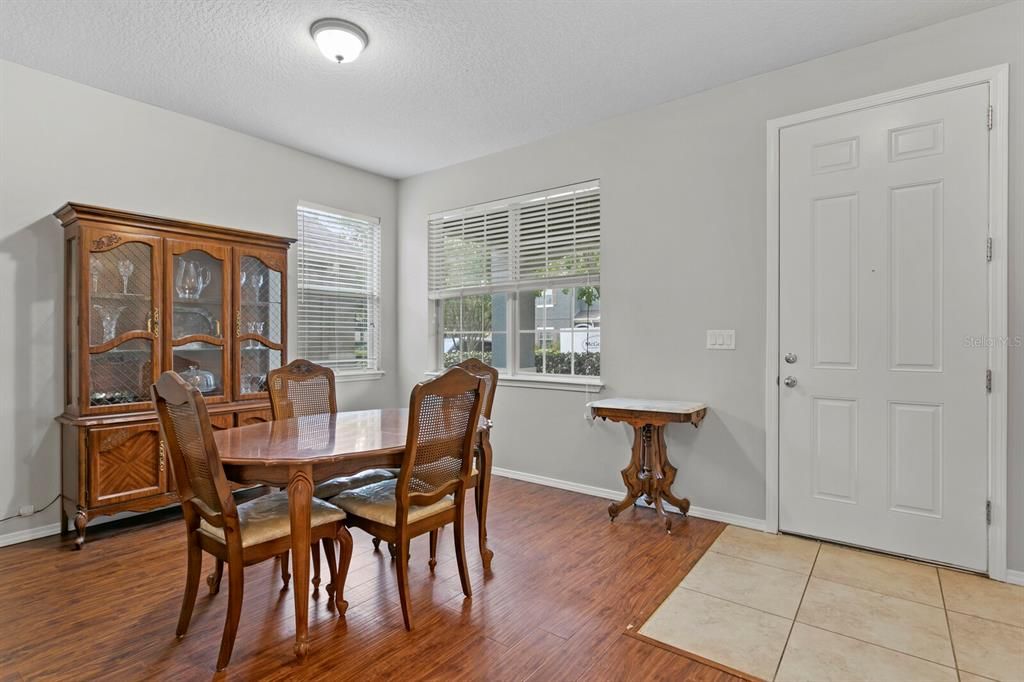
(198, 296)
(259, 318)
(121, 319)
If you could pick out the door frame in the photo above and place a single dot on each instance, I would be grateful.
(997, 78)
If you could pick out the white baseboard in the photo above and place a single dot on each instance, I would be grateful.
(698, 512)
(1014, 577)
(17, 536)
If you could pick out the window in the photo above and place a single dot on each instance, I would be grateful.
(339, 290)
(516, 283)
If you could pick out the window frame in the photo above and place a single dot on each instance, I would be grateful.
(511, 375)
(373, 370)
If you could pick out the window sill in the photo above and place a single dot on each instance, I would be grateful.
(369, 375)
(551, 383)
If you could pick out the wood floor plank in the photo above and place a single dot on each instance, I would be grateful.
(564, 587)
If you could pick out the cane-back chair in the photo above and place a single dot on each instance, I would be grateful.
(239, 535)
(482, 456)
(300, 389)
(430, 490)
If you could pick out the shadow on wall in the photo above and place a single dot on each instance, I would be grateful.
(708, 474)
(31, 337)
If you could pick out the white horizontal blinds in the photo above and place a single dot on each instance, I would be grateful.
(339, 290)
(559, 237)
(469, 251)
(547, 237)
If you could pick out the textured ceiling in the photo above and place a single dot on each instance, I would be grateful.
(442, 81)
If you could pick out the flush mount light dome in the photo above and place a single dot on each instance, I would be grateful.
(339, 40)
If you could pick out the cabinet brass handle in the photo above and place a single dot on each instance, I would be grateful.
(162, 458)
(217, 327)
(238, 323)
(155, 322)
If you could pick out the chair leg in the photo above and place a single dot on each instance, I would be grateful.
(376, 544)
(433, 549)
(332, 565)
(213, 580)
(315, 551)
(285, 575)
(403, 582)
(236, 586)
(345, 540)
(460, 547)
(195, 567)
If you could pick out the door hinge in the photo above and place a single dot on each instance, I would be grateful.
(989, 119)
(988, 249)
(988, 380)
(988, 512)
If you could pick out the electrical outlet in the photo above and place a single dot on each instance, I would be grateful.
(27, 510)
(721, 339)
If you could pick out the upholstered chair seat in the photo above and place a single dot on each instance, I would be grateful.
(266, 518)
(329, 489)
(376, 503)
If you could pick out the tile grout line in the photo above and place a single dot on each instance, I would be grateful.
(755, 561)
(877, 645)
(949, 629)
(792, 623)
(881, 594)
(727, 601)
(882, 646)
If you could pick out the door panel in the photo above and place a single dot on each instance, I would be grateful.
(198, 301)
(120, 318)
(260, 301)
(883, 434)
(126, 463)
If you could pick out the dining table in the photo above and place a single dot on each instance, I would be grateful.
(300, 452)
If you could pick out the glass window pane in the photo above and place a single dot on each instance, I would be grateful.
(201, 364)
(198, 295)
(531, 357)
(122, 374)
(451, 311)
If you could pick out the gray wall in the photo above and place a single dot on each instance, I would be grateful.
(683, 210)
(61, 141)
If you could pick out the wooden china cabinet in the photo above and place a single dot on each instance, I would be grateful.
(145, 295)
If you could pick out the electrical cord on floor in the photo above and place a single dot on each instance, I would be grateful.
(19, 516)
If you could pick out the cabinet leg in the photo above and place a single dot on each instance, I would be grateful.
(81, 518)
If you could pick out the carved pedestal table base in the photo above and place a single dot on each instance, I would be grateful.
(649, 474)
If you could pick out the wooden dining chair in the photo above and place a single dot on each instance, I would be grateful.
(303, 388)
(239, 535)
(430, 490)
(481, 454)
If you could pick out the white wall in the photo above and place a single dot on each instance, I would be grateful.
(61, 141)
(683, 210)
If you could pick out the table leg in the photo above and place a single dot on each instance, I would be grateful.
(664, 484)
(631, 476)
(300, 502)
(483, 490)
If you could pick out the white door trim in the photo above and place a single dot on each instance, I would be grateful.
(997, 77)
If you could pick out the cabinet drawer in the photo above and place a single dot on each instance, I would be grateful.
(219, 422)
(125, 463)
(253, 417)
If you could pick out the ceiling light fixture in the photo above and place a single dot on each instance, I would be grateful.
(339, 40)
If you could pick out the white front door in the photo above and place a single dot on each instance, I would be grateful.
(883, 284)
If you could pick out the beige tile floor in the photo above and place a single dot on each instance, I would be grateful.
(777, 607)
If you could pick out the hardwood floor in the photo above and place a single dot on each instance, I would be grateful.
(564, 588)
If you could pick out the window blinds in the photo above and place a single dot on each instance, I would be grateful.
(339, 289)
(547, 238)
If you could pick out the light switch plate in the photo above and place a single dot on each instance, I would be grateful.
(721, 339)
